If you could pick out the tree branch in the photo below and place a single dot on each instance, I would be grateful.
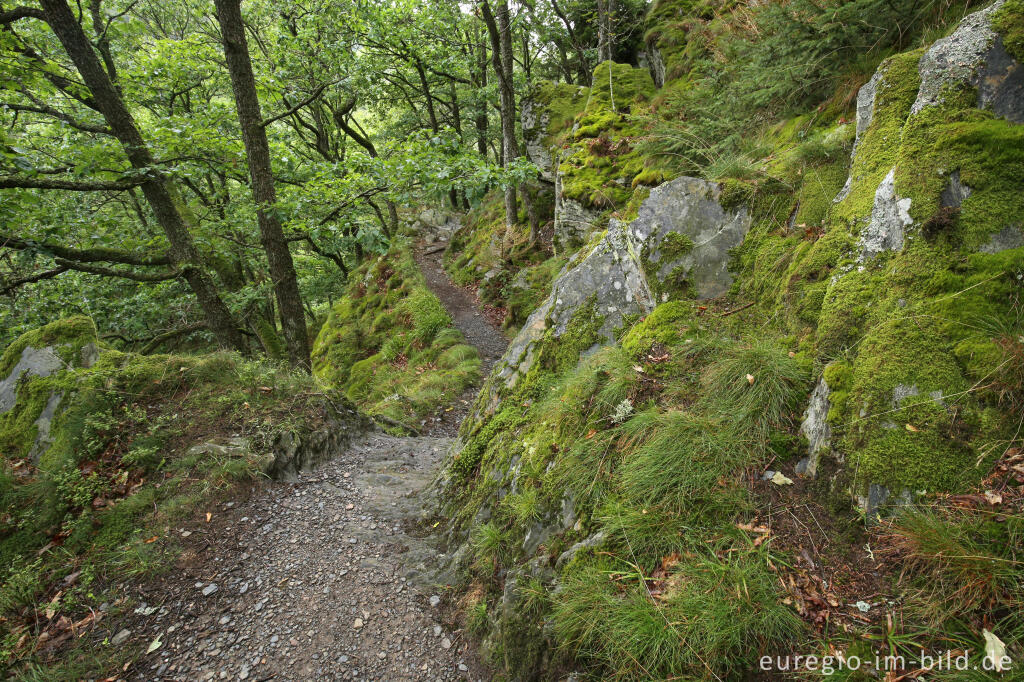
(126, 274)
(83, 255)
(12, 15)
(309, 100)
(11, 182)
(32, 279)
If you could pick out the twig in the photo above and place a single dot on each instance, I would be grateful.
(736, 310)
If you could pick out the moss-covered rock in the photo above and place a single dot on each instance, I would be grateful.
(389, 345)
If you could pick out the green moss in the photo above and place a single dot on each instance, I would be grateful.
(383, 343)
(581, 334)
(628, 85)
(67, 337)
(521, 301)
(1008, 20)
(561, 102)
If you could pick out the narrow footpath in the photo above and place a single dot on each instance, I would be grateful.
(326, 577)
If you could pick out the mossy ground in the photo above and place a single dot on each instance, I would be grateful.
(646, 442)
(519, 274)
(389, 344)
(98, 503)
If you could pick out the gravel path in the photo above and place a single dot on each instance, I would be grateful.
(331, 576)
(463, 307)
(322, 578)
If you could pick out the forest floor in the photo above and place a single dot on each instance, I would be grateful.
(329, 576)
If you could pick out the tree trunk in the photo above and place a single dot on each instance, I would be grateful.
(254, 136)
(155, 189)
(500, 29)
(481, 111)
(605, 29)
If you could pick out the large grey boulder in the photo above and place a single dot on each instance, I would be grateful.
(973, 55)
(816, 429)
(606, 276)
(574, 222)
(620, 274)
(683, 234)
(436, 225)
(34, 362)
(890, 218)
(534, 118)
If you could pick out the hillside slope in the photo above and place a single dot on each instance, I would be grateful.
(827, 323)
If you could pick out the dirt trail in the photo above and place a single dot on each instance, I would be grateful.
(463, 307)
(326, 577)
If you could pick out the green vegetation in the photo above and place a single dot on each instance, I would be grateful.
(615, 483)
(388, 345)
(95, 506)
(654, 467)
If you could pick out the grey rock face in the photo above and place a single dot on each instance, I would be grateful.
(865, 114)
(866, 102)
(689, 207)
(608, 276)
(955, 193)
(573, 221)
(974, 55)
(43, 423)
(436, 225)
(1010, 237)
(815, 427)
(889, 219)
(611, 274)
(34, 362)
(534, 119)
(656, 65)
(567, 556)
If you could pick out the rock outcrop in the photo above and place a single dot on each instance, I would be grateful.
(678, 245)
(973, 56)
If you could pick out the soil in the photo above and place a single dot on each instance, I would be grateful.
(330, 576)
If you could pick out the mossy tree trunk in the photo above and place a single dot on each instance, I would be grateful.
(254, 136)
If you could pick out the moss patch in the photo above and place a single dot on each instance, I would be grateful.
(389, 346)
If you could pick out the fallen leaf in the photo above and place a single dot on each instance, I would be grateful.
(51, 608)
(638, 368)
(154, 645)
(993, 497)
(995, 651)
(912, 428)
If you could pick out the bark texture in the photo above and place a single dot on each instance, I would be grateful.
(254, 136)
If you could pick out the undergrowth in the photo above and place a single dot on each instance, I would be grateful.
(390, 347)
(92, 505)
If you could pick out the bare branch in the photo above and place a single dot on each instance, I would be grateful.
(126, 274)
(32, 279)
(309, 100)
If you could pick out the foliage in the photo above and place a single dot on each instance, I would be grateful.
(93, 508)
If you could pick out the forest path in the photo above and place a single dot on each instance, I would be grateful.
(330, 576)
(463, 306)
